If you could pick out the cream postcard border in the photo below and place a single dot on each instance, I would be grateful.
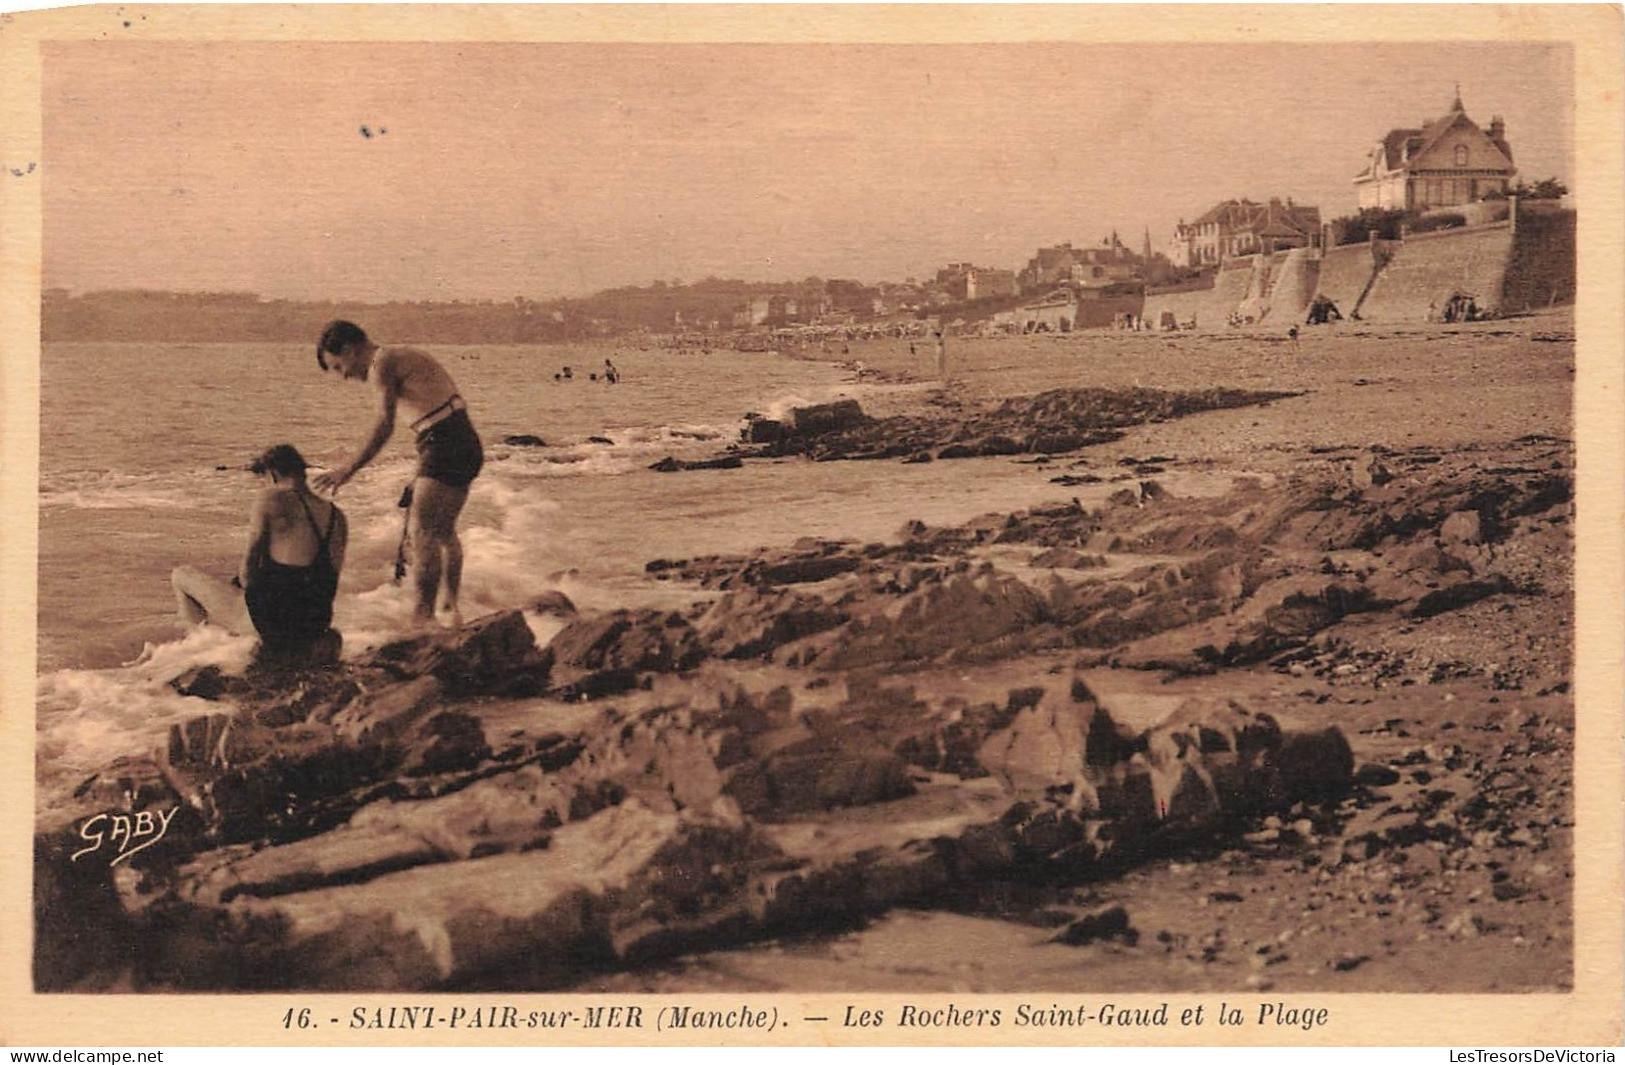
(1589, 1016)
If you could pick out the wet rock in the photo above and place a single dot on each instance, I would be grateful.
(765, 431)
(524, 440)
(801, 771)
(198, 739)
(1045, 746)
(752, 625)
(211, 683)
(692, 893)
(1068, 558)
(1057, 443)
(554, 603)
(636, 640)
(827, 417)
(670, 464)
(531, 917)
(496, 654)
(80, 928)
(449, 741)
(968, 614)
(664, 758)
(860, 860)
(600, 684)
(1370, 472)
(1462, 527)
(276, 663)
(1314, 765)
(806, 570)
(1374, 775)
(1111, 922)
(997, 444)
(392, 713)
(1456, 596)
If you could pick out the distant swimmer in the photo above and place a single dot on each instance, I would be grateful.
(450, 455)
(286, 583)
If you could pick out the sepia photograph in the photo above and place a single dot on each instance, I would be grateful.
(997, 535)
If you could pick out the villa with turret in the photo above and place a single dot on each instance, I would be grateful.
(1445, 162)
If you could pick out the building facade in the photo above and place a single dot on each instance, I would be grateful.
(1106, 263)
(966, 281)
(1242, 227)
(1445, 162)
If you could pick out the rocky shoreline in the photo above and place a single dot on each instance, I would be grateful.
(1351, 680)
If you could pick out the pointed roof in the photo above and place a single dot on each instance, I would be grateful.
(1274, 219)
(1400, 146)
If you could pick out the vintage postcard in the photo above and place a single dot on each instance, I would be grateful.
(812, 525)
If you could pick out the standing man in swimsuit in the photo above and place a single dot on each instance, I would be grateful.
(289, 575)
(449, 452)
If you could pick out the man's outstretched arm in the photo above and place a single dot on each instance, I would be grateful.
(381, 432)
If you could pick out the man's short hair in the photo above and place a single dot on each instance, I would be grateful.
(283, 460)
(336, 337)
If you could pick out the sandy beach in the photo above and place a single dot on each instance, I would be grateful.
(1253, 912)
(1366, 383)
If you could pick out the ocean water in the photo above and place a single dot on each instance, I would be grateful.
(133, 438)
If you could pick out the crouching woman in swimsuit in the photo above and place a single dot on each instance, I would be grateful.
(449, 454)
(289, 575)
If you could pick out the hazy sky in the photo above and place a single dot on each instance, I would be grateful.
(498, 170)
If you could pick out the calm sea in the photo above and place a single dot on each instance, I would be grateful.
(133, 438)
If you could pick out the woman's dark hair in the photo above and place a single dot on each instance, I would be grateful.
(283, 460)
(336, 337)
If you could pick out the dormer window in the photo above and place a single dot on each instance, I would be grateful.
(1461, 155)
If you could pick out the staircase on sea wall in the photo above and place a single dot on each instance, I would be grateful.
(1505, 266)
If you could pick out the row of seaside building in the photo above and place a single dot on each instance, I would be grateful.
(1443, 163)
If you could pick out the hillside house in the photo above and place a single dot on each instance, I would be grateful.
(1107, 263)
(1447, 161)
(1242, 227)
(966, 281)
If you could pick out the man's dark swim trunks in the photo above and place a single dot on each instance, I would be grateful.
(292, 606)
(448, 448)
